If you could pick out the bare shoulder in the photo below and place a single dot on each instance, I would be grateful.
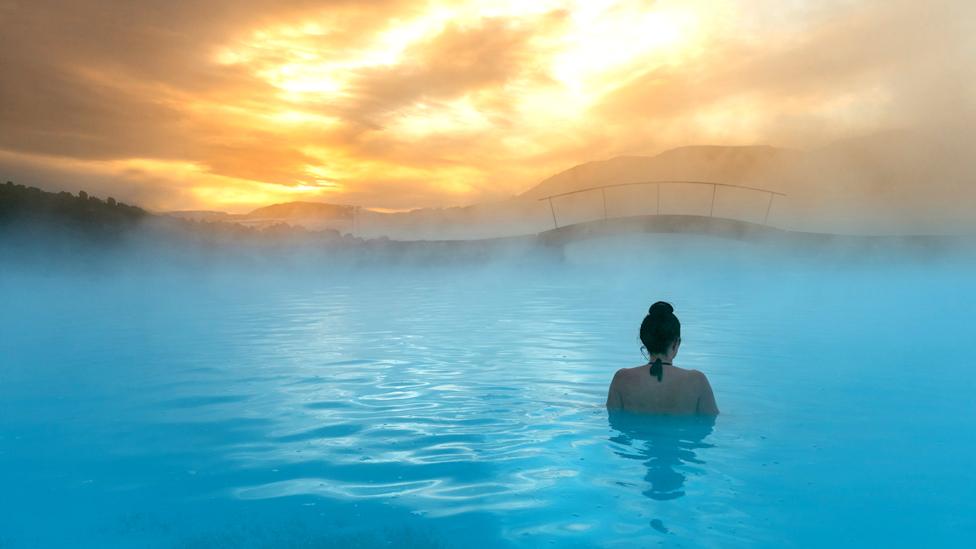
(631, 371)
(623, 374)
(626, 375)
(623, 381)
(697, 375)
(706, 398)
(694, 376)
(698, 378)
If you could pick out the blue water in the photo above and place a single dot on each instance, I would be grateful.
(462, 406)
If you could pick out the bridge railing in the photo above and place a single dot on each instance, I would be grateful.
(711, 211)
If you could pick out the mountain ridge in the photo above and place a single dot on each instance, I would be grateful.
(912, 178)
(683, 154)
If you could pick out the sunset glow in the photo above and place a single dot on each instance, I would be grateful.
(411, 104)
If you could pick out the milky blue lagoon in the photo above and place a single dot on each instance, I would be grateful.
(229, 405)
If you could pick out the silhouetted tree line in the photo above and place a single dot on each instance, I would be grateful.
(30, 207)
(19, 203)
(33, 221)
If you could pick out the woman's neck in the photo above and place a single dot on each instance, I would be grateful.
(663, 358)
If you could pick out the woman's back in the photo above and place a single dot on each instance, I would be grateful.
(679, 392)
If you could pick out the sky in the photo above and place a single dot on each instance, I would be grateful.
(392, 104)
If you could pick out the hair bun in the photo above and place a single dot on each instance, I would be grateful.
(660, 308)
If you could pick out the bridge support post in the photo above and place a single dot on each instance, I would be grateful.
(711, 209)
(768, 207)
(553, 212)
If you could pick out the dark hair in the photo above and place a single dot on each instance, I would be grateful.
(660, 328)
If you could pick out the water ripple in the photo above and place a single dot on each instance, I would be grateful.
(476, 398)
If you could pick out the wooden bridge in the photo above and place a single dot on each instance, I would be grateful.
(603, 222)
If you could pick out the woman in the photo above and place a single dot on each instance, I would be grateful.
(659, 387)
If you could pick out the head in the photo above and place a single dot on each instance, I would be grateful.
(661, 332)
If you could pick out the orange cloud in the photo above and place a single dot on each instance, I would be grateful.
(229, 105)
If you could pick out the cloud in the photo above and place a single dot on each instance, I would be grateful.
(402, 104)
(457, 61)
(867, 69)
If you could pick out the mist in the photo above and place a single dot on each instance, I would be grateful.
(207, 384)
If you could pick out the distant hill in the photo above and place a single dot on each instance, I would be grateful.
(898, 181)
(54, 230)
(887, 182)
(746, 165)
(202, 215)
(302, 209)
(310, 215)
(524, 214)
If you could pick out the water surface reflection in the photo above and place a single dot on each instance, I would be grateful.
(666, 445)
